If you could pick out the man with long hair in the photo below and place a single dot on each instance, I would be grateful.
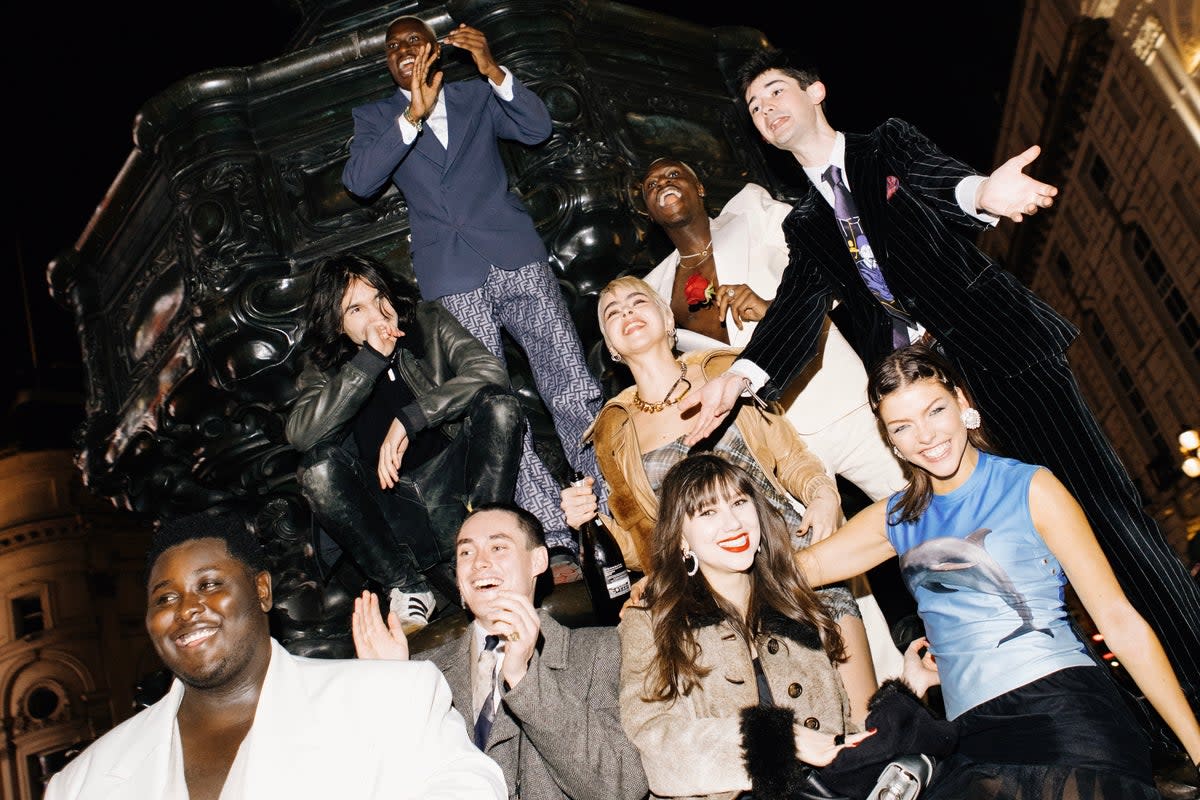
(405, 422)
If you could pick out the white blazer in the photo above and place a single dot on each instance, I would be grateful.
(324, 728)
(749, 248)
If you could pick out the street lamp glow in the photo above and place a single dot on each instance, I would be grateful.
(1191, 467)
(1189, 440)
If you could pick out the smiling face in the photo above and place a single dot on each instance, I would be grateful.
(633, 318)
(404, 39)
(363, 306)
(784, 113)
(207, 614)
(492, 554)
(923, 420)
(724, 534)
(672, 193)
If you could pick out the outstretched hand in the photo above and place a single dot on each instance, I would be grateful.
(373, 639)
(1009, 192)
(715, 399)
(474, 42)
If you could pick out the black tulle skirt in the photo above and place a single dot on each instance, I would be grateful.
(1068, 736)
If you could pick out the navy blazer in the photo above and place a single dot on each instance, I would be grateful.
(462, 214)
(979, 312)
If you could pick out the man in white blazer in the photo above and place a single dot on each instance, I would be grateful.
(246, 719)
(741, 255)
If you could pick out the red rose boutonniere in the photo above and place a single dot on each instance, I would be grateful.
(699, 292)
(893, 183)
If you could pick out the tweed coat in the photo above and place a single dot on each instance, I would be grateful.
(557, 734)
(693, 747)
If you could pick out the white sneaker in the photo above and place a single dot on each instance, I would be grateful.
(414, 609)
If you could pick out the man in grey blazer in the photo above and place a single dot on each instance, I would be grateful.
(916, 206)
(541, 699)
(474, 246)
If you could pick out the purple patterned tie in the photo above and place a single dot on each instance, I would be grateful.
(864, 258)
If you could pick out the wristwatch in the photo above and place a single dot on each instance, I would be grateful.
(416, 123)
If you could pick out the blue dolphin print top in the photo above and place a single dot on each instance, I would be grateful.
(988, 589)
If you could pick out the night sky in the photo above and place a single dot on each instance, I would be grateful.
(81, 77)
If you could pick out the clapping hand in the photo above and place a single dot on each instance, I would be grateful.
(474, 42)
(373, 639)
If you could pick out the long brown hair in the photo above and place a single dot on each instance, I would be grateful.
(679, 603)
(899, 369)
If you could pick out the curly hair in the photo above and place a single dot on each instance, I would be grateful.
(214, 523)
(677, 601)
(323, 338)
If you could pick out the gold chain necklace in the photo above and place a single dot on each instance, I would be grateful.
(703, 254)
(654, 408)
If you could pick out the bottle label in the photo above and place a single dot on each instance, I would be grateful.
(617, 580)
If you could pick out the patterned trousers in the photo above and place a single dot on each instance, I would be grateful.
(528, 303)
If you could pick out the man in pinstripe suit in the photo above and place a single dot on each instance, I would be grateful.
(917, 206)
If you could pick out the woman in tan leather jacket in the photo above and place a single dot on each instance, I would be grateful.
(638, 437)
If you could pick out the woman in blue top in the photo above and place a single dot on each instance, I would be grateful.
(987, 545)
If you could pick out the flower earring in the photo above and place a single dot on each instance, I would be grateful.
(616, 357)
(896, 451)
(691, 563)
(970, 418)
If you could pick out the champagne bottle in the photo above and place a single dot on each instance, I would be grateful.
(603, 567)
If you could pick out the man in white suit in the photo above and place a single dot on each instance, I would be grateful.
(741, 255)
(247, 719)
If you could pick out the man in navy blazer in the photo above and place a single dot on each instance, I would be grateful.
(474, 245)
(917, 206)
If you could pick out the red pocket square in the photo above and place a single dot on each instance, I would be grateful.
(893, 183)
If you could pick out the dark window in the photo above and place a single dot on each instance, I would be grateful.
(28, 616)
(42, 703)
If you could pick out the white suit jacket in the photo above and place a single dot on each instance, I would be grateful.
(749, 248)
(324, 728)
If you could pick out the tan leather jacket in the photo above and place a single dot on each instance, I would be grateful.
(785, 460)
(693, 747)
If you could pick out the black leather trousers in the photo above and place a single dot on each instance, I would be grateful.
(395, 535)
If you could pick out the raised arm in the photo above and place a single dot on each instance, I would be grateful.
(1062, 525)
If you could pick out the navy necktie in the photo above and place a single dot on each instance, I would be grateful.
(485, 675)
(855, 238)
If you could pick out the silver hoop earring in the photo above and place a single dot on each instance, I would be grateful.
(691, 563)
(616, 357)
(673, 335)
(971, 419)
(896, 450)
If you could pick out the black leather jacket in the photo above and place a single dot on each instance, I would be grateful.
(444, 380)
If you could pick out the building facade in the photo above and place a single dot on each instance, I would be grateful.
(73, 643)
(1108, 88)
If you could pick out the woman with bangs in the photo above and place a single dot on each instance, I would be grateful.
(727, 629)
(638, 438)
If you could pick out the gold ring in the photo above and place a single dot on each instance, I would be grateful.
(730, 292)
(514, 635)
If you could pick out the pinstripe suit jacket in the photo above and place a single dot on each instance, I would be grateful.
(982, 316)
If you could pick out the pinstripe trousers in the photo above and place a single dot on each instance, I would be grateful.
(528, 303)
(1040, 416)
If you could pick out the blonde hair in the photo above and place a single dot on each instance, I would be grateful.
(633, 284)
